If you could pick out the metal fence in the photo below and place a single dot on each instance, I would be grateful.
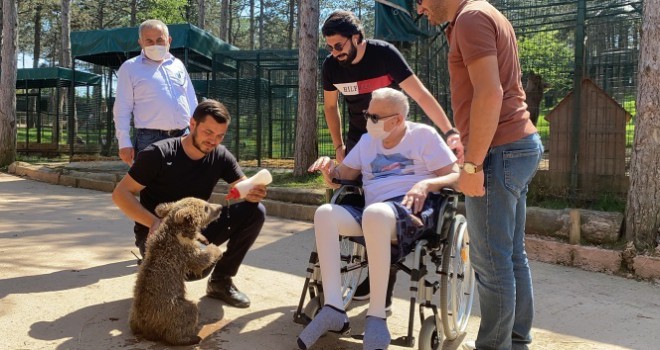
(561, 43)
(579, 61)
(59, 112)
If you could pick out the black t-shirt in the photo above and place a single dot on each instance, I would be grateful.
(382, 66)
(168, 174)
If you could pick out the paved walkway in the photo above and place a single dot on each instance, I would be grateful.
(67, 273)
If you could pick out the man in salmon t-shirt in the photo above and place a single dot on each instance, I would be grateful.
(502, 152)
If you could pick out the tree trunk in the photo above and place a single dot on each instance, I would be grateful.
(66, 34)
(292, 23)
(68, 92)
(306, 143)
(134, 10)
(8, 82)
(230, 22)
(643, 205)
(252, 27)
(261, 24)
(37, 37)
(298, 24)
(201, 13)
(224, 20)
(32, 101)
(100, 17)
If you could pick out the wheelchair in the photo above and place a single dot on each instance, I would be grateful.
(447, 292)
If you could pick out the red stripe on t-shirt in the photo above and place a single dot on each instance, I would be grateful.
(369, 85)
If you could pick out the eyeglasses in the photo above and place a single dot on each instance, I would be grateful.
(375, 117)
(336, 47)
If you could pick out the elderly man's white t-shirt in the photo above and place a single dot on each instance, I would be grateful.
(389, 173)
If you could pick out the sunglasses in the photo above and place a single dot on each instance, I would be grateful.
(375, 117)
(336, 47)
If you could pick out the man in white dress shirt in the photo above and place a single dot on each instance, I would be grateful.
(154, 88)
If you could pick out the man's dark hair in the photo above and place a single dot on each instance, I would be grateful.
(213, 108)
(344, 23)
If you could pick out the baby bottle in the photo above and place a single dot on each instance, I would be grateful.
(242, 188)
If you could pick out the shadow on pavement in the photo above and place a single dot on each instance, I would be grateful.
(92, 325)
(65, 279)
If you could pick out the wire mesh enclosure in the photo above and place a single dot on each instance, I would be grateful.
(579, 61)
(562, 44)
(260, 89)
(58, 111)
(101, 52)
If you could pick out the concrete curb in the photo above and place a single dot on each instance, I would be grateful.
(300, 204)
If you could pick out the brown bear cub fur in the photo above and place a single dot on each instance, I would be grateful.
(160, 310)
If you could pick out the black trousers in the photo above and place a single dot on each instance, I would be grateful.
(238, 225)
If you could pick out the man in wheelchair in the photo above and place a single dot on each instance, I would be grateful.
(400, 163)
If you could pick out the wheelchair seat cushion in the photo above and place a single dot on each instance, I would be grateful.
(407, 231)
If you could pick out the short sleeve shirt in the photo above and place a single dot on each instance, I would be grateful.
(381, 66)
(389, 173)
(480, 30)
(168, 174)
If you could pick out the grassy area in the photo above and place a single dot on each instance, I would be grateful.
(605, 202)
(285, 178)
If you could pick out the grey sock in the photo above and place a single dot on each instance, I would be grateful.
(376, 334)
(329, 319)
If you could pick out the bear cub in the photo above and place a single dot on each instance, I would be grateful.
(160, 310)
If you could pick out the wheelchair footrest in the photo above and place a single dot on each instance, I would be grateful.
(400, 341)
(301, 319)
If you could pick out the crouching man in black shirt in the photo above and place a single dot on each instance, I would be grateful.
(190, 166)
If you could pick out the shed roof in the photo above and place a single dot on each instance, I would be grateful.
(36, 78)
(111, 47)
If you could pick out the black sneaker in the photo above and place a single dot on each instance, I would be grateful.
(362, 291)
(224, 289)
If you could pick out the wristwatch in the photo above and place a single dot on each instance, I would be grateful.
(472, 168)
(450, 132)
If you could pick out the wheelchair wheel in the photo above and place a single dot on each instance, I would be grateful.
(353, 258)
(457, 281)
(430, 337)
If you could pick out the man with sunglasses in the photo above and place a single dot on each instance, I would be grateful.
(400, 162)
(356, 67)
(502, 153)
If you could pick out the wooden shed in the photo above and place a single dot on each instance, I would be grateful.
(601, 161)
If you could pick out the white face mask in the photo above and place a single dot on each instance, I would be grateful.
(156, 52)
(377, 130)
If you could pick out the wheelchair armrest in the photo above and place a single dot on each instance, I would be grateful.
(448, 191)
(342, 182)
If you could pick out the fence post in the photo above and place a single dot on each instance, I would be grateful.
(257, 83)
(577, 96)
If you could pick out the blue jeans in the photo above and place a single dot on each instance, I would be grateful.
(145, 137)
(496, 225)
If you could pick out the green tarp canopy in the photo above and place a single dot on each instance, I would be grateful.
(395, 21)
(111, 47)
(38, 78)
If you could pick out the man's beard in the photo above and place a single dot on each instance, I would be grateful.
(350, 56)
(439, 13)
(196, 143)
